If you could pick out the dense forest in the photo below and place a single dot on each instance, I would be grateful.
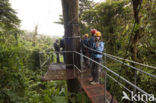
(128, 29)
(20, 70)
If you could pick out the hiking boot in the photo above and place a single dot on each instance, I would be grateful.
(94, 83)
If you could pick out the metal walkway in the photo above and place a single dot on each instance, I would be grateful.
(96, 93)
(58, 72)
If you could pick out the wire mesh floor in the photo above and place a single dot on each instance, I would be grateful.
(94, 92)
(58, 72)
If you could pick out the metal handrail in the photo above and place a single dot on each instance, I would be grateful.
(117, 75)
(119, 83)
(154, 76)
(106, 68)
(41, 65)
(145, 65)
(77, 68)
(151, 75)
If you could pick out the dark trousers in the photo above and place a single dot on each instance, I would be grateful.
(96, 69)
(64, 57)
(90, 62)
(85, 59)
(58, 57)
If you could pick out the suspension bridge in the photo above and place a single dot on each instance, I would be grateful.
(97, 93)
(73, 68)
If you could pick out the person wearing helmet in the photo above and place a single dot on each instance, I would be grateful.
(57, 50)
(98, 46)
(90, 43)
(84, 43)
(92, 39)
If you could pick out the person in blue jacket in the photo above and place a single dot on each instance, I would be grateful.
(98, 46)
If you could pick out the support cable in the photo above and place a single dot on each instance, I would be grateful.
(117, 75)
(151, 75)
(126, 54)
(145, 65)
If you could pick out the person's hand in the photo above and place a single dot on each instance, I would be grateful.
(97, 44)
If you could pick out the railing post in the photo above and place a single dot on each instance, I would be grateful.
(105, 79)
(81, 59)
(73, 63)
(135, 80)
(105, 86)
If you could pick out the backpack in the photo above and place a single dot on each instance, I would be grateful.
(62, 44)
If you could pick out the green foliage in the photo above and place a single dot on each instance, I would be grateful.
(114, 19)
(108, 19)
(8, 18)
(19, 63)
(20, 70)
(21, 76)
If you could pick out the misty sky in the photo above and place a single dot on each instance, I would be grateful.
(42, 13)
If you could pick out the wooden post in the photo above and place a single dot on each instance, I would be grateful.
(70, 14)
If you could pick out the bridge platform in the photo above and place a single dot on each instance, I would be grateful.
(58, 72)
(94, 92)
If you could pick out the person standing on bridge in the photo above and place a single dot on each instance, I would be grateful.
(62, 45)
(90, 44)
(84, 44)
(57, 50)
(98, 46)
(91, 41)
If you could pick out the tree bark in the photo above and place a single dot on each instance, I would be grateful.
(137, 36)
(70, 14)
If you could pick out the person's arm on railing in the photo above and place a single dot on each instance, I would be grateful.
(99, 48)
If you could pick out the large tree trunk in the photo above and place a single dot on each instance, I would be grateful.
(137, 34)
(70, 14)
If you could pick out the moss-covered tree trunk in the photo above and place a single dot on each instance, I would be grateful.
(137, 35)
(70, 14)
